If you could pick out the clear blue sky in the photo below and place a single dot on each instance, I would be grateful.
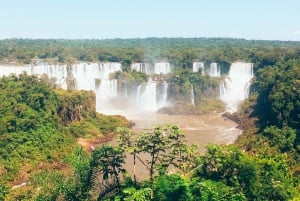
(250, 19)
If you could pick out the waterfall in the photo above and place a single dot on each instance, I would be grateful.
(192, 95)
(197, 66)
(108, 87)
(142, 67)
(236, 86)
(91, 76)
(214, 70)
(162, 68)
(146, 96)
(150, 97)
(164, 96)
(81, 76)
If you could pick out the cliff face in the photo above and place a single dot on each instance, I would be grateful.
(75, 105)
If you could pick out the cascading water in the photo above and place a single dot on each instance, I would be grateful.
(142, 67)
(162, 68)
(192, 95)
(236, 86)
(93, 76)
(214, 70)
(108, 87)
(14, 70)
(164, 99)
(197, 66)
(149, 98)
(80, 76)
(146, 96)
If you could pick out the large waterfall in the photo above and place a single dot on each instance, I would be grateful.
(96, 76)
(85, 76)
(198, 66)
(236, 86)
(162, 68)
(214, 70)
(149, 97)
(82, 76)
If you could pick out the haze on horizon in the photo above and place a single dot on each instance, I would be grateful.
(99, 19)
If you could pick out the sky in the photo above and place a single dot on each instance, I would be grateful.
(103, 19)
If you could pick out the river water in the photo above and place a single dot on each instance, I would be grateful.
(199, 129)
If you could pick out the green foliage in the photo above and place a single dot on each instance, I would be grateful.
(180, 51)
(27, 104)
(258, 177)
(131, 77)
(132, 194)
(80, 161)
(38, 124)
(3, 191)
(29, 131)
(181, 81)
(216, 191)
(164, 145)
(278, 90)
(171, 188)
(277, 109)
(97, 126)
(38, 128)
(53, 185)
(282, 138)
(108, 160)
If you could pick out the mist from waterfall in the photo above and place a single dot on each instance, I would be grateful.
(236, 86)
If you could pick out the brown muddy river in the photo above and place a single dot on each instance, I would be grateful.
(199, 129)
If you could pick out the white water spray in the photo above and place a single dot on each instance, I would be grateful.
(146, 96)
(236, 86)
(149, 98)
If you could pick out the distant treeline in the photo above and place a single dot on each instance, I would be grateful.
(180, 52)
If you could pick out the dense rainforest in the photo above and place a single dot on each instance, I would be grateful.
(41, 123)
(180, 52)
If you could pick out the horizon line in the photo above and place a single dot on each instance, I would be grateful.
(143, 38)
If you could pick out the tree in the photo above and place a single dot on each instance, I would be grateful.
(128, 142)
(80, 160)
(107, 164)
(163, 145)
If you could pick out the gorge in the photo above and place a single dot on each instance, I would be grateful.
(146, 98)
